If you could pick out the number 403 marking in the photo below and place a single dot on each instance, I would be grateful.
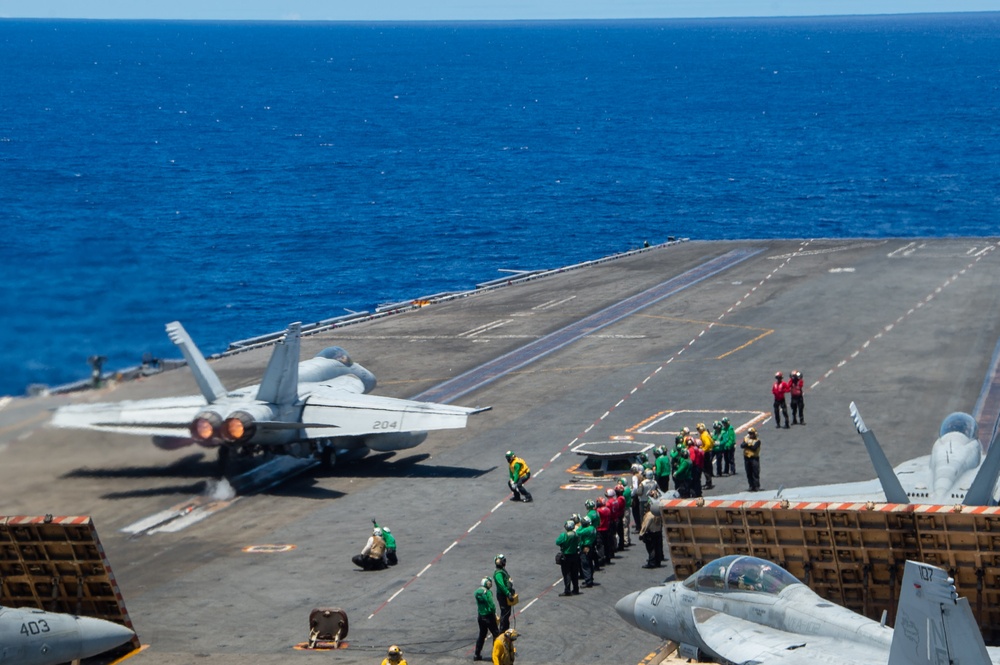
(34, 627)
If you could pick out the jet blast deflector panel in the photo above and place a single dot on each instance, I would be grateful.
(852, 554)
(58, 564)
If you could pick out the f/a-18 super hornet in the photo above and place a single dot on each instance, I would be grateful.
(319, 407)
(956, 472)
(33, 637)
(744, 610)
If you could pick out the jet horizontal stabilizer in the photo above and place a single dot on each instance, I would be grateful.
(369, 414)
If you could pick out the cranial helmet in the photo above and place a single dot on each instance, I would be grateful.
(725, 420)
(376, 531)
(395, 651)
(569, 525)
(586, 521)
(600, 501)
(609, 492)
(589, 503)
(649, 474)
(509, 455)
(511, 633)
(752, 431)
(500, 560)
(778, 375)
(486, 582)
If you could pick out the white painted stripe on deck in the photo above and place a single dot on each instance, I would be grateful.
(474, 526)
(449, 547)
(394, 595)
(425, 569)
(496, 507)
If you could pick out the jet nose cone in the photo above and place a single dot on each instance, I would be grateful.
(98, 635)
(626, 607)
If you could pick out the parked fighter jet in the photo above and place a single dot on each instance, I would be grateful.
(317, 407)
(745, 610)
(956, 471)
(34, 637)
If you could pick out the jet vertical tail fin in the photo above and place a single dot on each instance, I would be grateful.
(208, 382)
(280, 384)
(981, 490)
(894, 492)
(933, 624)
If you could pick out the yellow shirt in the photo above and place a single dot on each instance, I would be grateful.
(503, 651)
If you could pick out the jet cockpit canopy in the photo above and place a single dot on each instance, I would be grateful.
(741, 573)
(336, 353)
(962, 423)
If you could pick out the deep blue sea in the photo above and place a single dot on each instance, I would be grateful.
(239, 176)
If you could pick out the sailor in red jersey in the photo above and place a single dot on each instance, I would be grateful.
(779, 390)
(796, 386)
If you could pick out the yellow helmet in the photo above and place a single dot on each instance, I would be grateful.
(395, 652)
(511, 633)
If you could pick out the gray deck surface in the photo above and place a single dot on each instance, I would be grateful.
(906, 328)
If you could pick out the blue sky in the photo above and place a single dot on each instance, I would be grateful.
(354, 10)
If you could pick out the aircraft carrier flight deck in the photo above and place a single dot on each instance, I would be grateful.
(634, 348)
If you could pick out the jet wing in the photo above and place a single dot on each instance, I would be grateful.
(745, 643)
(339, 413)
(169, 416)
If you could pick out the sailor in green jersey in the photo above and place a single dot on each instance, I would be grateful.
(569, 545)
(487, 615)
(390, 544)
(588, 553)
(595, 521)
(661, 469)
(505, 589)
(683, 472)
(728, 447)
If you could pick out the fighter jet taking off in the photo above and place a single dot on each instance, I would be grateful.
(319, 407)
(33, 637)
(745, 610)
(955, 472)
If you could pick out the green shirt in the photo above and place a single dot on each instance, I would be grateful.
(662, 466)
(484, 602)
(595, 518)
(588, 536)
(728, 438)
(683, 470)
(569, 542)
(501, 580)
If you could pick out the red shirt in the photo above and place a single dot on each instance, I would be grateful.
(779, 389)
(795, 386)
(605, 514)
(696, 456)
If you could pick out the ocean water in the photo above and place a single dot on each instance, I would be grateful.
(239, 176)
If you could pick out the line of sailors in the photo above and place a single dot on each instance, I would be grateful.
(696, 456)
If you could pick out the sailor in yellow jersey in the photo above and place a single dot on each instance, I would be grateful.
(395, 656)
(519, 474)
